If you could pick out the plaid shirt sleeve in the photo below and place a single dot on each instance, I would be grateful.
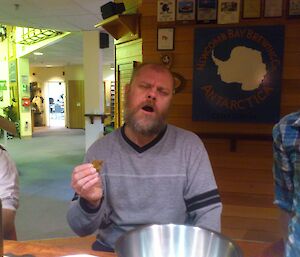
(282, 171)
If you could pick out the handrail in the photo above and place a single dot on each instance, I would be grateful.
(92, 116)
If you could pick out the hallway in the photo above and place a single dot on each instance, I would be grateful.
(45, 162)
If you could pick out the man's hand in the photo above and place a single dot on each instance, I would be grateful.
(87, 183)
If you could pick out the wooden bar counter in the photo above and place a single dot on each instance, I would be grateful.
(58, 247)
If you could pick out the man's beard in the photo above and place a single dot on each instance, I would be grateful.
(146, 126)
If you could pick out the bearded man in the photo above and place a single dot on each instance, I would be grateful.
(153, 172)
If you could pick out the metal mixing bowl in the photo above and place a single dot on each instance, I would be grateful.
(175, 241)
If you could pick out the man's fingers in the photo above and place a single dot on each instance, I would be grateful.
(82, 167)
(86, 182)
(80, 182)
(90, 184)
(82, 171)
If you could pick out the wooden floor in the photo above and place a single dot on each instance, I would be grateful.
(245, 182)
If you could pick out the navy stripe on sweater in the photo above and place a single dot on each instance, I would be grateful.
(203, 200)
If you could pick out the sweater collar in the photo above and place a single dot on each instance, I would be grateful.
(145, 147)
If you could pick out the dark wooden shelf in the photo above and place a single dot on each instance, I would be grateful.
(120, 25)
(92, 117)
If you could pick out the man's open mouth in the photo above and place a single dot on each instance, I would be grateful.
(148, 108)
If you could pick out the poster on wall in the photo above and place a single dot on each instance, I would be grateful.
(12, 71)
(185, 10)
(228, 11)
(166, 10)
(237, 74)
(273, 8)
(293, 10)
(251, 9)
(3, 85)
(207, 11)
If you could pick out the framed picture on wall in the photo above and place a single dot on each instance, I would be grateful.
(165, 39)
(207, 11)
(273, 8)
(166, 10)
(251, 9)
(293, 8)
(228, 11)
(185, 10)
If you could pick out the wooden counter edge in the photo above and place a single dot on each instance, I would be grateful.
(55, 247)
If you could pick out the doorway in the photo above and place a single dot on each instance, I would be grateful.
(56, 104)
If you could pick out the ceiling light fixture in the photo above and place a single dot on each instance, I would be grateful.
(38, 53)
(31, 36)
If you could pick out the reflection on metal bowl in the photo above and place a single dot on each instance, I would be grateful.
(175, 241)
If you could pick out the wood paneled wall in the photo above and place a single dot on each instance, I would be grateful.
(126, 54)
(245, 182)
(244, 176)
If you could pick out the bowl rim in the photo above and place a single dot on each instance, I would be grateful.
(143, 227)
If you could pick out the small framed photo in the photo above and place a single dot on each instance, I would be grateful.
(165, 39)
(166, 10)
(273, 8)
(186, 10)
(251, 9)
(293, 8)
(228, 11)
(207, 11)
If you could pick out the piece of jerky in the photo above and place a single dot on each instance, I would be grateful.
(97, 165)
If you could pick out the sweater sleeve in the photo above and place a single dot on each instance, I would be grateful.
(9, 182)
(202, 198)
(84, 220)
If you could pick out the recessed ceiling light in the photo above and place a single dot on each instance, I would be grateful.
(38, 53)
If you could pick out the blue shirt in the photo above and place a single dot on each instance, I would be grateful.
(286, 171)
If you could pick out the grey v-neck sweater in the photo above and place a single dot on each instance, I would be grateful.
(168, 181)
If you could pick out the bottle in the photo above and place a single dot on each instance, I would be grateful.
(1, 231)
